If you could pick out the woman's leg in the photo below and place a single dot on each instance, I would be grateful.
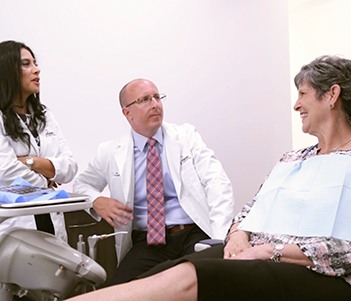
(176, 283)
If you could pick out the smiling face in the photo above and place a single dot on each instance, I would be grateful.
(30, 74)
(314, 112)
(144, 118)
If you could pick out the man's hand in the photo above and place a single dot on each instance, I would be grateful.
(112, 211)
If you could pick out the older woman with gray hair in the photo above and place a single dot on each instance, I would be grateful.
(293, 240)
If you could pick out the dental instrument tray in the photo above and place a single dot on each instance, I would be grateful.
(18, 195)
(24, 189)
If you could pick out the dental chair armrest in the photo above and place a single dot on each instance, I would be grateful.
(207, 243)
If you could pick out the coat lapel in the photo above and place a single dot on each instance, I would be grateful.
(125, 161)
(173, 153)
(33, 144)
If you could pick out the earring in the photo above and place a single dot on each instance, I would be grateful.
(331, 106)
(35, 95)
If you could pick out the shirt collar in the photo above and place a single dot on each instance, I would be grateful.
(140, 140)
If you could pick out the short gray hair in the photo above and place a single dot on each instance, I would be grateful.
(325, 71)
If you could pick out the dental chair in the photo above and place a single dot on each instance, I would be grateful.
(42, 267)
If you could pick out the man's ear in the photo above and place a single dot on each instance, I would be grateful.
(125, 112)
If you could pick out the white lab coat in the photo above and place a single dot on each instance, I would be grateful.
(53, 147)
(203, 188)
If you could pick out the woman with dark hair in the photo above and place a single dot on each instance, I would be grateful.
(293, 240)
(32, 146)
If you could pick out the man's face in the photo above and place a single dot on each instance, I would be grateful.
(145, 117)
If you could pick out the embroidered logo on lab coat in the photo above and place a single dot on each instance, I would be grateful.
(183, 159)
(49, 134)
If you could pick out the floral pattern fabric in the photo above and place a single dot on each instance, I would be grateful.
(330, 256)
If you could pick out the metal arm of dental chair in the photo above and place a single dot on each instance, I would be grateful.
(93, 240)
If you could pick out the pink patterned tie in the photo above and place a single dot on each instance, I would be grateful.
(156, 228)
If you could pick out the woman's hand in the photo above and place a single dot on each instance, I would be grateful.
(22, 159)
(291, 253)
(53, 184)
(262, 252)
(237, 242)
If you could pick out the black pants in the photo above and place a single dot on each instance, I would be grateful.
(142, 257)
(220, 279)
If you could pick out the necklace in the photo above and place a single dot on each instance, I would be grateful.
(335, 148)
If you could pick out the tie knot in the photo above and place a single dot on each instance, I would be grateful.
(151, 141)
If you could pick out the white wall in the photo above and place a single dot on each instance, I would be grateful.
(317, 27)
(224, 65)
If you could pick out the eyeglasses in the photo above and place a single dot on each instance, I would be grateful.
(145, 100)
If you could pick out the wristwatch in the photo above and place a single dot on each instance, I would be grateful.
(277, 253)
(29, 162)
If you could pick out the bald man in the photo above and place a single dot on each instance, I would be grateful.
(195, 196)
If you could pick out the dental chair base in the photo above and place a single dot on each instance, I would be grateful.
(42, 267)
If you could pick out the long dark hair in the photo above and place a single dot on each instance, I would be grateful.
(10, 87)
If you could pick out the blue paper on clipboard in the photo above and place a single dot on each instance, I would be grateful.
(21, 191)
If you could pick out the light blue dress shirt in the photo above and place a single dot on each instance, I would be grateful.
(175, 214)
